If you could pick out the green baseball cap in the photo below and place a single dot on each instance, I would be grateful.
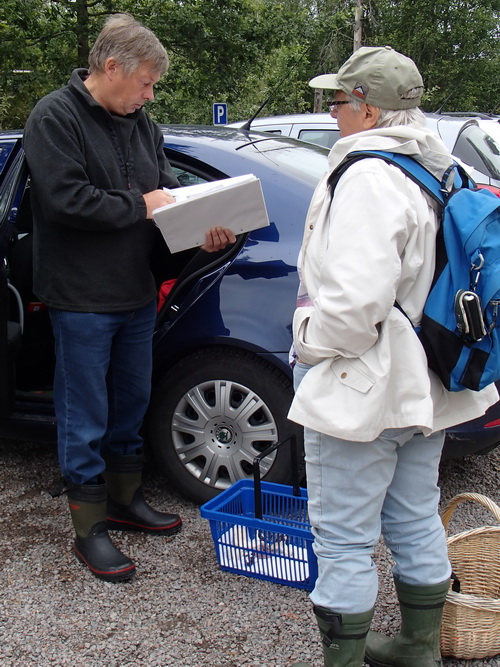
(376, 75)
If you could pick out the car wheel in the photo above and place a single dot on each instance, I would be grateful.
(212, 413)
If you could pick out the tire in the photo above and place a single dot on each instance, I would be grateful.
(212, 413)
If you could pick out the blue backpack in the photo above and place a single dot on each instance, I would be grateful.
(460, 326)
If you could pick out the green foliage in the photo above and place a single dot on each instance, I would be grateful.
(244, 52)
(455, 44)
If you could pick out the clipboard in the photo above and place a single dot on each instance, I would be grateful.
(233, 203)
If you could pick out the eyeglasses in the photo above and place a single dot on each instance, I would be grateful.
(333, 104)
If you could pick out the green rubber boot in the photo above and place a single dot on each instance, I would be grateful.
(126, 508)
(417, 644)
(343, 636)
(92, 545)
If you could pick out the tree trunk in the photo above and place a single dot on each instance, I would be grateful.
(358, 13)
(82, 32)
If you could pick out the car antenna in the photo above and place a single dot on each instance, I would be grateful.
(249, 122)
(246, 126)
(440, 108)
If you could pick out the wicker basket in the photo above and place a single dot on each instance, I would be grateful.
(471, 619)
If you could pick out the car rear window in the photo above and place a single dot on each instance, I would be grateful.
(324, 137)
(478, 149)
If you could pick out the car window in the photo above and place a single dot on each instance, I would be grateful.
(273, 128)
(12, 188)
(478, 149)
(5, 150)
(186, 177)
(324, 138)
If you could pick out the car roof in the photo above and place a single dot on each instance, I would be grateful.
(448, 127)
(292, 117)
(233, 151)
(302, 118)
(223, 136)
(11, 134)
(214, 134)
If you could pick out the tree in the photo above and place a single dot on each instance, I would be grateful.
(455, 44)
(244, 52)
(41, 42)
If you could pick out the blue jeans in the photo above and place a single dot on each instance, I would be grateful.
(102, 386)
(358, 490)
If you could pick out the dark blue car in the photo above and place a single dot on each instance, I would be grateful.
(222, 384)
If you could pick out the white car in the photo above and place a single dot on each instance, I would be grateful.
(491, 126)
(315, 128)
(464, 137)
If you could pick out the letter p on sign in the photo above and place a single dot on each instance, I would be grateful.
(220, 113)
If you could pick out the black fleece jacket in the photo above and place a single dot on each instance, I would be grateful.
(89, 169)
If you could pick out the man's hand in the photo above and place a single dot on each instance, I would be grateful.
(217, 239)
(156, 199)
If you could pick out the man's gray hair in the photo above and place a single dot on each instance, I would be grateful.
(392, 117)
(130, 43)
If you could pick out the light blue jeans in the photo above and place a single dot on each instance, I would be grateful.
(359, 490)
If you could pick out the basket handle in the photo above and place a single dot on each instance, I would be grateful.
(256, 471)
(462, 497)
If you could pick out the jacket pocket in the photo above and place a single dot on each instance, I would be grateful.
(351, 376)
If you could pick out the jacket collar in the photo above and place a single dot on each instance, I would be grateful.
(76, 84)
(419, 143)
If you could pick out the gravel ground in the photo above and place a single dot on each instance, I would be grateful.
(180, 609)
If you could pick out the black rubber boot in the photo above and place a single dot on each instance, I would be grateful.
(417, 644)
(93, 546)
(343, 636)
(127, 509)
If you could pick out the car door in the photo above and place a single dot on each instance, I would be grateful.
(13, 178)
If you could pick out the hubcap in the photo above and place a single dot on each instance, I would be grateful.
(218, 428)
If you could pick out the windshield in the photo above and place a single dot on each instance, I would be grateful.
(480, 150)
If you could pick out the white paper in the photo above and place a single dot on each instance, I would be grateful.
(203, 189)
(232, 203)
(238, 551)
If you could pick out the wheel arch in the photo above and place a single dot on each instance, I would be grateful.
(198, 398)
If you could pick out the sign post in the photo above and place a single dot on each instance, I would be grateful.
(220, 113)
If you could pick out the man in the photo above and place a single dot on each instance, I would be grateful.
(373, 412)
(98, 171)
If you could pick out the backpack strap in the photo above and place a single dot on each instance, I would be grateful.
(415, 171)
(408, 165)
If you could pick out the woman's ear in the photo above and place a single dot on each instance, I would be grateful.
(371, 116)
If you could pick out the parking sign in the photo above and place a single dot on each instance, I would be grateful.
(220, 113)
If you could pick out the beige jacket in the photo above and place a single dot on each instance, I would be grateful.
(372, 245)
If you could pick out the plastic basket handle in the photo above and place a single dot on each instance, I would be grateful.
(256, 471)
(475, 497)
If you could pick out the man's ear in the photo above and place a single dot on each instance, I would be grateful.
(110, 67)
(371, 116)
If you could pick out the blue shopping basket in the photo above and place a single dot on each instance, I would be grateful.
(261, 529)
